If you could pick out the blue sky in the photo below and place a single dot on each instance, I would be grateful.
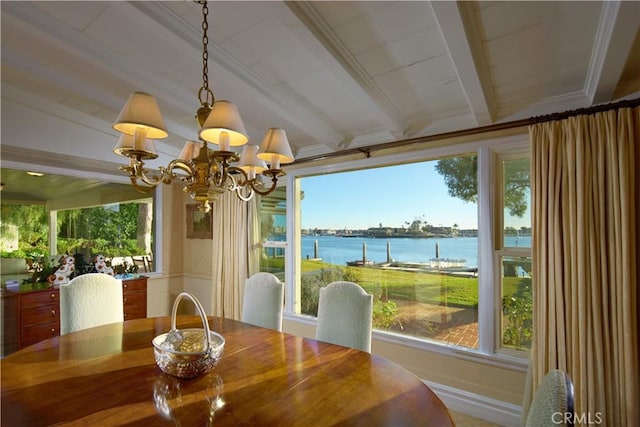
(390, 195)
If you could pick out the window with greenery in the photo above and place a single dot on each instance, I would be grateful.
(273, 232)
(118, 230)
(514, 252)
(442, 243)
(25, 230)
(122, 232)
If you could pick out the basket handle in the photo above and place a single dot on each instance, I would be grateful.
(203, 317)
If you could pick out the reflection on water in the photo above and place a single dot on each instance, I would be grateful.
(171, 394)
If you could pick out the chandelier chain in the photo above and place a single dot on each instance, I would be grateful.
(205, 56)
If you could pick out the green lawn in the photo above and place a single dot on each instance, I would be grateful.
(431, 288)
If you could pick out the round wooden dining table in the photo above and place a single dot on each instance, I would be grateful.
(107, 375)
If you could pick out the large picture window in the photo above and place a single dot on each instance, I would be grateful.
(442, 243)
(407, 234)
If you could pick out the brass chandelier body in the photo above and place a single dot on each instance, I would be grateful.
(204, 173)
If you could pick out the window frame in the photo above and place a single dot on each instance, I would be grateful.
(489, 283)
(500, 250)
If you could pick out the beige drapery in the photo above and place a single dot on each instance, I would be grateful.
(254, 242)
(231, 243)
(585, 195)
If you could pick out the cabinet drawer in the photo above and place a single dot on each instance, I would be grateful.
(134, 298)
(36, 333)
(43, 314)
(135, 305)
(134, 285)
(135, 312)
(36, 299)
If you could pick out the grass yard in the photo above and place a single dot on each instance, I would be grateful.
(423, 287)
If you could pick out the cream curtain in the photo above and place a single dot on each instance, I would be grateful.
(585, 194)
(230, 259)
(254, 243)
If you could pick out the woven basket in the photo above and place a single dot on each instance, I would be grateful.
(198, 352)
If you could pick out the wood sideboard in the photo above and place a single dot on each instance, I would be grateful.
(32, 314)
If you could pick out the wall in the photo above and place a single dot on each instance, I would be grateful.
(164, 286)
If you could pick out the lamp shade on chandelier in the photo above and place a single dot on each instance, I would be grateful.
(205, 173)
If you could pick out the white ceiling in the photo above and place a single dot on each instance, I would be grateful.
(335, 75)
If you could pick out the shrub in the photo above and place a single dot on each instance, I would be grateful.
(518, 312)
(384, 313)
(311, 283)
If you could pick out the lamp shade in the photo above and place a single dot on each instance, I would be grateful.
(275, 147)
(141, 112)
(224, 117)
(249, 161)
(190, 151)
(128, 145)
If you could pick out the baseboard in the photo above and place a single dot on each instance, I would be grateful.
(492, 410)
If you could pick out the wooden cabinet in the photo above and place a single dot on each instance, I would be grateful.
(134, 295)
(39, 316)
(32, 314)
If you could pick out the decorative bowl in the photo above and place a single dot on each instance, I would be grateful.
(190, 352)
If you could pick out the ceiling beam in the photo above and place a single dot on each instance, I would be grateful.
(619, 23)
(365, 86)
(457, 23)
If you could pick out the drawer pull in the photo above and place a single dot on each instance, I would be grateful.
(124, 285)
(53, 312)
(53, 296)
(53, 332)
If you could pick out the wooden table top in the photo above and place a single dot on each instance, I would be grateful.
(108, 376)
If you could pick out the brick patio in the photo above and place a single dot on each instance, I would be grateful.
(454, 325)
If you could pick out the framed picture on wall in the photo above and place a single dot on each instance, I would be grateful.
(199, 224)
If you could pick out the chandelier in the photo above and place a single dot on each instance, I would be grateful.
(205, 173)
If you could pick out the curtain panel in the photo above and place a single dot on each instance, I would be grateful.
(230, 255)
(585, 196)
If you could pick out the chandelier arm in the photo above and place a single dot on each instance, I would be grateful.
(274, 183)
(236, 170)
(183, 166)
(231, 183)
(222, 170)
(243, 197)
(137, 172)
(140, 188)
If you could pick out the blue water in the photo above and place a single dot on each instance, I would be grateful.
(339, 250)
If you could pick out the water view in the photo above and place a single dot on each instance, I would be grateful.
(340, 250)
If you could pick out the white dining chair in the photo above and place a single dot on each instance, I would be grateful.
(263, 301)
(344, 315)
(90, 300)
(553, 401)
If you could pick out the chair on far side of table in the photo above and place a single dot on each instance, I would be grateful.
(344, 315)
(263, 301)
(93, 299)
